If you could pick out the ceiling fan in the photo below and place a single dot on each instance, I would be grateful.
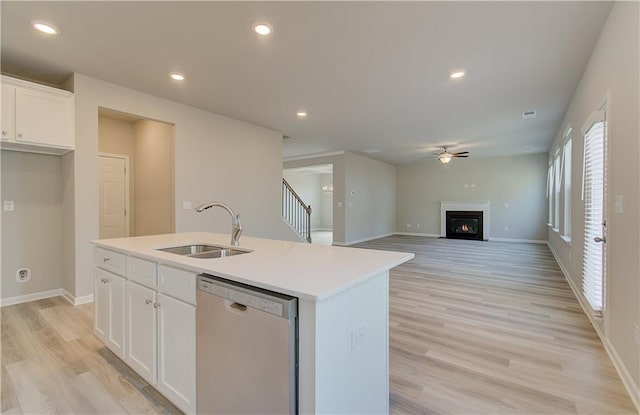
(445, 156)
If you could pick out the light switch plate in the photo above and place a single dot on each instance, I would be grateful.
(8, 205)
(617, 204)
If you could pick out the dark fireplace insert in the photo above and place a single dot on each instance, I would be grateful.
(464, 225)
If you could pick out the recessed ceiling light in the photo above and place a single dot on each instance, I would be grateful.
(457, 74)
(301, 114)
(45, 27)
(262, 29)
(177, 76)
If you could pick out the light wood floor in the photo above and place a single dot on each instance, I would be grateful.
(492, 328)
(475, 328)
(52, 364)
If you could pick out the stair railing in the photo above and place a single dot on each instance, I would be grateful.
(296, 212)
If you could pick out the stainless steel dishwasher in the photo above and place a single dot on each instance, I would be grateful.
(246, 349)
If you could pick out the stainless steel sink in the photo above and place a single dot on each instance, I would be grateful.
(219, 253)
(190, 249)
(203, 251)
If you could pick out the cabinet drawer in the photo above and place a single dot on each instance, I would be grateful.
(142, 271)
(109, 260)
(177, 283)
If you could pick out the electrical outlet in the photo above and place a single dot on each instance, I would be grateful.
(417, 225)
(186, 204)
(357, 337)
(339, 204)
(23, 275)
(506, 229)
(408, 225)
(8, 205)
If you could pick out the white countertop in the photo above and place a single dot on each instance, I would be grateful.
(312, 272)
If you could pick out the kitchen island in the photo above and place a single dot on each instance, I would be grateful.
(342, 309)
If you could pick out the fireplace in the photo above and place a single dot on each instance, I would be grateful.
(464, 224)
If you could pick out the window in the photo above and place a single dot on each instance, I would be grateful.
(593, 194)
(549, 192)
(556, 190)
(566, 167)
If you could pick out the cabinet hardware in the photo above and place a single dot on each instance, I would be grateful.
(20, 135)
(599, 239)
(156, 305)
(106, 259)
(147, 302)
(4, 133)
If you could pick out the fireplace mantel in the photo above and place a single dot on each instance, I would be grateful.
(475, 205)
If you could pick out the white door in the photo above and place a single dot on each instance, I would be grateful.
(176, 357)
(116, 315)
(142, 331)
(101, 306)
(595, 212)
(113, 208)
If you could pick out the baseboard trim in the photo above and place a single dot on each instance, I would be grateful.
(77, 300)
(357, 241)
(31, 297)
(516, 240)
(632, 389)
(321, 229)
(428, 235)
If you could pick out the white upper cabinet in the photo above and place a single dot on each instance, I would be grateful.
(36, 118)
(8, 112)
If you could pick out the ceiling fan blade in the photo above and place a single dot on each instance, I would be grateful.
(459, 156)
(461, 152)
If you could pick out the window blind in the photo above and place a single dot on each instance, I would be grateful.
(593, 196)
(566, 165)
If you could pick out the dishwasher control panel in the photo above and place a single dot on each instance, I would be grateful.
(250, 297)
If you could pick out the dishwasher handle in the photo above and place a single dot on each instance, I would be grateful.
(234, 307)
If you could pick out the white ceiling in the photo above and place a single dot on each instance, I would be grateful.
(370, 74)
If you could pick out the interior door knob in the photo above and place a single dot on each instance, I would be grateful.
(599, 239)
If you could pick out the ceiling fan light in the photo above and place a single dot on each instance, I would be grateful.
(445, 158)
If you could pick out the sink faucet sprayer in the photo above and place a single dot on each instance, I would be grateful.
(237, 226)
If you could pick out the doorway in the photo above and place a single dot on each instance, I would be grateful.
(314, 184)
(148, 189)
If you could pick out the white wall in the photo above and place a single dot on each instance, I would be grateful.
(326, 203)
(32, 232)
(370, 198)
(154, 178)
(613, 67)
(216, 158)
(518, 181)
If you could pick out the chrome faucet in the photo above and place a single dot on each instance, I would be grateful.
(237, 226)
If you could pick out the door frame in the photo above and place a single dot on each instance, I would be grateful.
(127, 206)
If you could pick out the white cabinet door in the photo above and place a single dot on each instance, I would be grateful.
(44, 118)
(100, 306)
(142, 331)
(8, 112)
(115, 338)
(176, 352)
